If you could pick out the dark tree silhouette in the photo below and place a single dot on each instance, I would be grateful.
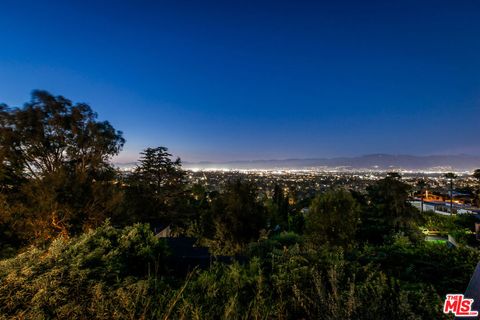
(54, 162)
(333, 218)
(237, 214)
(476, 174)
(279, 209)
(389, 211)
(50, 132)
(155, 189)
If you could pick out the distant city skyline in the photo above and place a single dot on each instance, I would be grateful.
(376, 162)
(225, 81)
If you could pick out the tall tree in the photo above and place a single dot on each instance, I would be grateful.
(238, 215)
(55, 154)
(389, 211)
(333, 218)
(279, 209)
(51, 132)
(155, 188)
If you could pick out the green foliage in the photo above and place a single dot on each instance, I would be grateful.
(227, 292)
(389, 212)
(446, 269)
(50, 132)
(296, 222)
(155, 191)
(460, 227)
(109, 253)
(438, 223)
(63, 281)
(237, 217)
(54, 172)
(265, 247)
(333, 218)
(301, 285)
(278, 209)
(329, 287)
(117, 274)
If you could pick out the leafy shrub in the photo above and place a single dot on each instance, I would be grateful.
(447, 269)
(105, 274)
(62, 280)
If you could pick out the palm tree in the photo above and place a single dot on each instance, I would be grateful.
(422, 184)
(451, 176)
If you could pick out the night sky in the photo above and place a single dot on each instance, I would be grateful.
(235, 80)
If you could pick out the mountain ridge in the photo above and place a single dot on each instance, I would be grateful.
(369, 161)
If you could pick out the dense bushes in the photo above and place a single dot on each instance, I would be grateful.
(122, 274)
(448, 269)
(64, 280)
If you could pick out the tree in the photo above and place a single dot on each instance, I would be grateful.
(238, 216)
(333, 218)
(51, 132)
(278, 209)
(54, 163)
(476, 175)
(155, 189)
(157, 169)
(389, 211)
(451, 176)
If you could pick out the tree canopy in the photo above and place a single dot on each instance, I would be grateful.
(51, 132)
(236, 216)
(54, 167)
(389, 211)
(155, 190)
(333, 218)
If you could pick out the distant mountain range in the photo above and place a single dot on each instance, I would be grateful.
(460, 162)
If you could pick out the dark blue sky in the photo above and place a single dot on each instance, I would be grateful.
(232, 80)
